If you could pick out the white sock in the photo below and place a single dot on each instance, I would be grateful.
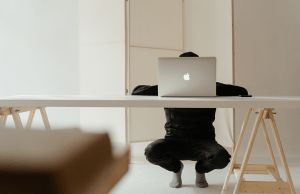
(176, 180)
(201, 180)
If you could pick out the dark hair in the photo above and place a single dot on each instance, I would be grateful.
(189, 54)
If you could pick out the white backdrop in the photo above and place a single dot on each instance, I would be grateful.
(102, 63)
(39, 54)
(201, 26)
(267, 45)
(208, 32)
(65, 47)
(155, 30)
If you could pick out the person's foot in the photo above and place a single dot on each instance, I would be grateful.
(201, 180)
(176, 180)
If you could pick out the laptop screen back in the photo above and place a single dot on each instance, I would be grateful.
(187, 76)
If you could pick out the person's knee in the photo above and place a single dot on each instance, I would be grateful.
(150, 154)
(152, 151)
(222, 159)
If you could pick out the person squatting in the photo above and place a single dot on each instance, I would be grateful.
(190, 135)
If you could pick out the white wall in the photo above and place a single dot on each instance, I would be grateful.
(267, 45)
(155, 30)
(39, 54)
(102, 63)
(208, 32)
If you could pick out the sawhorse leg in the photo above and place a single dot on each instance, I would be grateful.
(242, 186)
(16, 116)
(3, 119)
(45, 118)
(4, 111)
(30, 119)
(14, 111)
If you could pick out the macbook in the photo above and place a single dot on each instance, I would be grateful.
(186, 76)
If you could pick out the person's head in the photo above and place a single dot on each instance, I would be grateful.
(188, 54)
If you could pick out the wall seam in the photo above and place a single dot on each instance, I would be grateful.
(155, 48)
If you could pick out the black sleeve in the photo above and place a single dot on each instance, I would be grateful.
(230, 90)
(222, 90)
(145, 90)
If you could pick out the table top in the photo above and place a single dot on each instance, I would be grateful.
(151, 101)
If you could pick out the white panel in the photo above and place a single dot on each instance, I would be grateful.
(143, 65)
(208, 32)
(267, 45)
(102, 69)
(102, 72)
(110, 120)
(156, 23)
(224, 126)
(102, 63)
(39, 55)
(146, 123)
(101, 21)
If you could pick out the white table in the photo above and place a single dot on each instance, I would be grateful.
(264, 105)
(151, 101)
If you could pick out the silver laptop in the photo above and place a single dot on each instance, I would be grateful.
(186, 76)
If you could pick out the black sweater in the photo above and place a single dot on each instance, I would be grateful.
(191, 122)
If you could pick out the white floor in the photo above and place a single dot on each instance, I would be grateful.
(145, 178)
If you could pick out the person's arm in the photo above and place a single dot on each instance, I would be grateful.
(222, 90)
(230, 90)
(145, 90)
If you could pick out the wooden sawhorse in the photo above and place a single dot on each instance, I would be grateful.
(243, 186)
(14, 111)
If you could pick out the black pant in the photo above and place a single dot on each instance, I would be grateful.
(168, 152)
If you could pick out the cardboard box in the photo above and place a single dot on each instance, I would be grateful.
(58, 161)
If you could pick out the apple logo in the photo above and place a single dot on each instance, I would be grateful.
(186, 76)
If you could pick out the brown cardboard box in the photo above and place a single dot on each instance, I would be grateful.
(58, 161)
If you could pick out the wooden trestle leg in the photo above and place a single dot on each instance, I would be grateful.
(30, 119)
(236, 151)
(281, 153)
(243, 186)
(3, 120)
(269, 145)
(45, 118)
(16, 117)
(14, 111)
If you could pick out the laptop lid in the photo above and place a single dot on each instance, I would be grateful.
(187, 76)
